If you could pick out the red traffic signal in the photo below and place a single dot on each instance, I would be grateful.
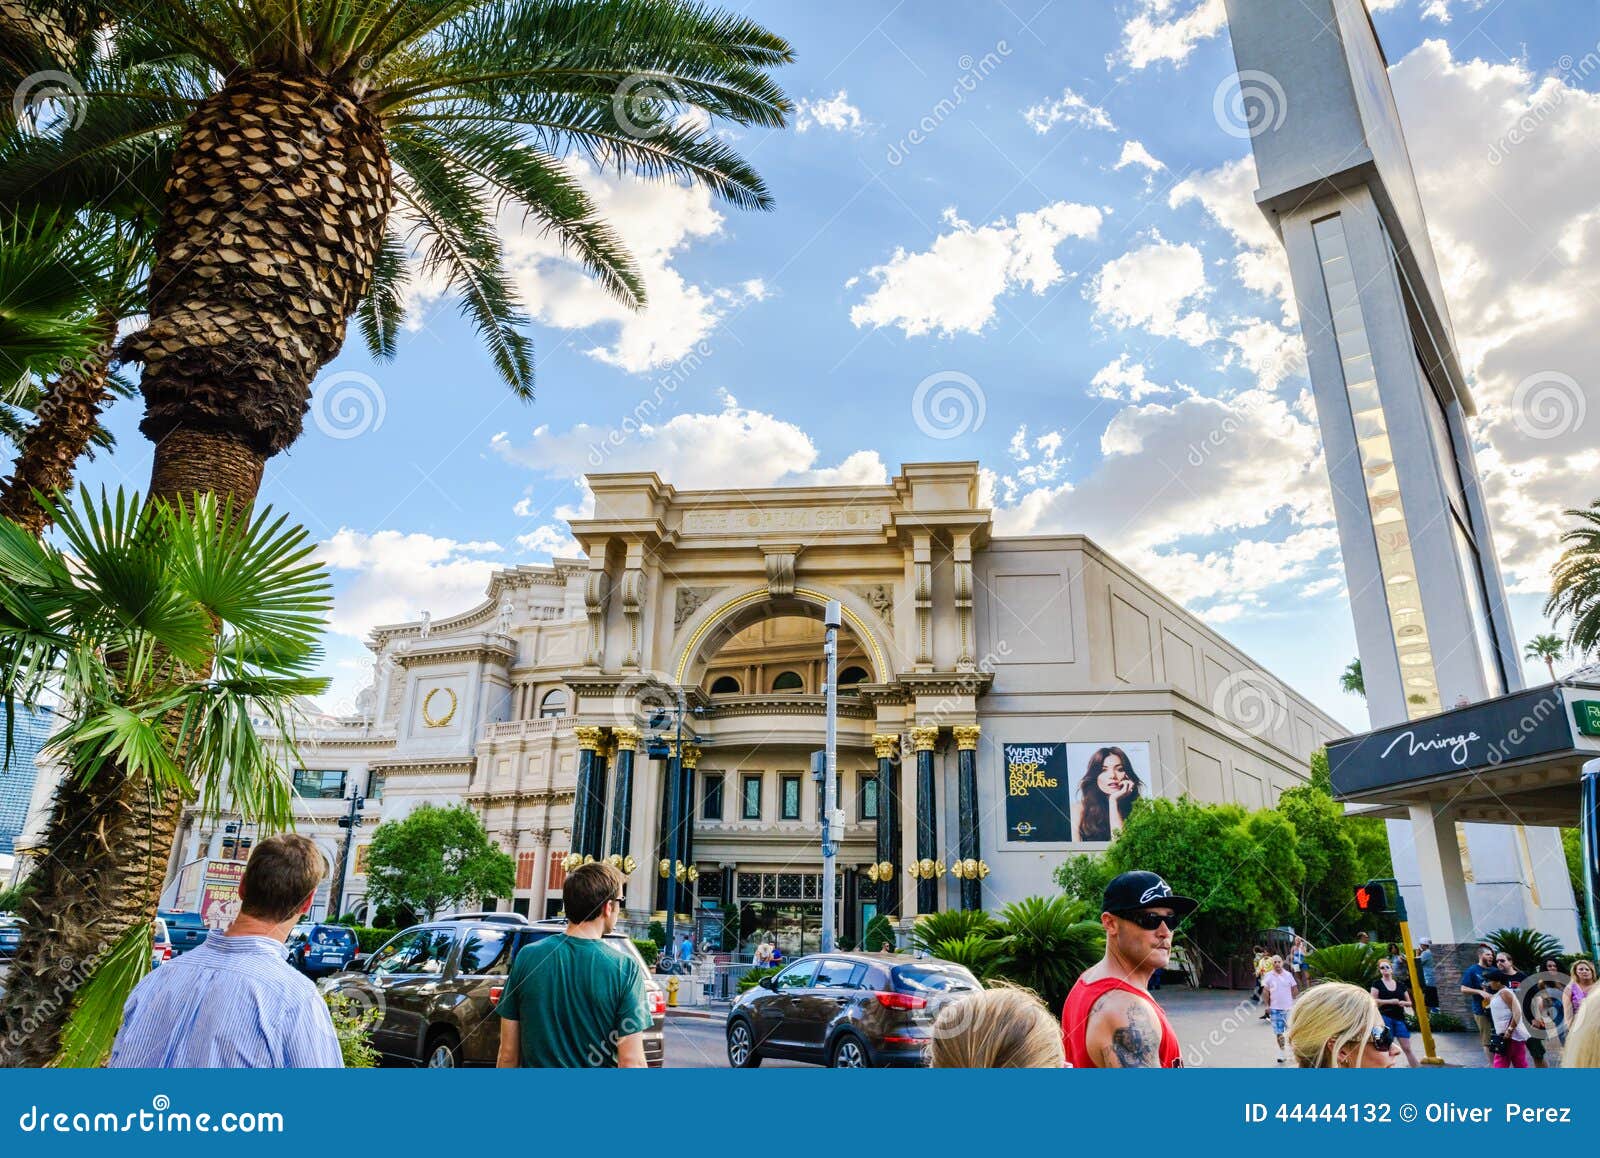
(1372, 898)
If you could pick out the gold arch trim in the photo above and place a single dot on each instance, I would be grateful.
(859, 625)
(443, 721)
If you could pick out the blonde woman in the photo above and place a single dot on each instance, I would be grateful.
(1337, 1026)
(1583, 982)
(1583, 1039)
(1004, 1028)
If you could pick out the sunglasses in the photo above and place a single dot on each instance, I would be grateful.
(1149, 921)
(1381, 1038)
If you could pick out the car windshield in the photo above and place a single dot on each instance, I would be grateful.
(934, 979)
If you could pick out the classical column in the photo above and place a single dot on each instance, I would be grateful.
(588, 746)
(961, 572)
(886, 746)
(594, 838)
(627, 740)
(922, 598)
(691, 761)
(923, 740)
(967, 812)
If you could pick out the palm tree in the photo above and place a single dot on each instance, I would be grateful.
(160, 631)
(1350, 680)
(339, 126)
(1575, 581)
(1546, 647)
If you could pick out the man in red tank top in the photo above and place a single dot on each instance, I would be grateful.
(1110, 1019)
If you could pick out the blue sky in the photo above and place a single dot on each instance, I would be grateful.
(1064, 252)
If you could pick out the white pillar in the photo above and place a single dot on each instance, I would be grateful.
(1444, 886)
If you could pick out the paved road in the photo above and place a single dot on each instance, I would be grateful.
(698, 1044)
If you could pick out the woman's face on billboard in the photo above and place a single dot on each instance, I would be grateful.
(1113, 779)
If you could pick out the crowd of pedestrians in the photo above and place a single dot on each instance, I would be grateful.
(571, 1002)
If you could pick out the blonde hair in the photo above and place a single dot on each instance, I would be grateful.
(1005, 1027)
(1327, 1021)
(1583, 1039)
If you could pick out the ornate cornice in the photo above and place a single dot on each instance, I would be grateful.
(965, 683)
(512, 796)
(777, 704)
(882, 695)
(492, 648)
(423, 764)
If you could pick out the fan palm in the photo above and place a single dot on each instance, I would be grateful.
(1548, 648)
(949, 925)
(1575, 581)
(340, 127)
(160, 631)
(1047, 943)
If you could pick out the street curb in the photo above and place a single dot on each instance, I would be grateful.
(696, 1014)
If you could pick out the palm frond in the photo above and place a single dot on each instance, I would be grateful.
(382, 311)
(97, 1009)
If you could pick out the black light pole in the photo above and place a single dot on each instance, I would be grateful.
(673, 820)
(348, 822)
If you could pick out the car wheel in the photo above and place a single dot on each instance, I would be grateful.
(849, 1053)
(443, 1053)
(742, 1052)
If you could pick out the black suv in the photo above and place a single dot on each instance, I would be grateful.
(434, 987)
(846, 1010)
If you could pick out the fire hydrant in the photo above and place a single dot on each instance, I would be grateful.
(672, 991)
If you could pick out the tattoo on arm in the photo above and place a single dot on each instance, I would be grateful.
(1136, 1045)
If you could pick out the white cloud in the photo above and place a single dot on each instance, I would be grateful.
(1158, 287)
(1440, 9)
(835, 113)
(1068, 108)
(552, 540)
(1122, 381)
(733, 448)
(657, 221)
(1134, 153)
(1269, 352)
(393, 576)
(1227, 194)
(953, 286)
(1167, 31)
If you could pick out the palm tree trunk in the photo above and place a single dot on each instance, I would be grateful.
(99, 873)
(63, 425)
(1550, 663)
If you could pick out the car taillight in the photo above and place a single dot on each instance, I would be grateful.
(495, 992)
(658, 1003)
(900, 1001)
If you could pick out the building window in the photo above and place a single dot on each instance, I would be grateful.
(319, 784)
(852, 675)
(788, 681)
(789, 796)
(375, 785)
(750, 794)
(867, 796)
(554, 704)
(711, 796)
(725, 686)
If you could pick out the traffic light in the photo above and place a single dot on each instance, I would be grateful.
(1372, 897)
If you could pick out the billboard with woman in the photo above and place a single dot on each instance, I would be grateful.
(1106, 783)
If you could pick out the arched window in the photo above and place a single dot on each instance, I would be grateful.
(852, 675)
(788, 681)
(725, 686)
(554, 704)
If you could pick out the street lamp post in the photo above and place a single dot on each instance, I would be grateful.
(349, 822)
(830, 782)
(674, 815)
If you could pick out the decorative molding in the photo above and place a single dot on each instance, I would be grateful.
(489, 648)
(780, 570)
(467, 764)
(530, 796)
(966, 737)
(886, 745)
(972, 683)
(962, 572)
(589, 738)
(690, 600)
(440, 721)
(922, 595)
(596, 590)
(923, 739)
(785, 704)
(627, 738)
(879, 597)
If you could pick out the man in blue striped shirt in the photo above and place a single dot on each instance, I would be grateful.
(234, 1002)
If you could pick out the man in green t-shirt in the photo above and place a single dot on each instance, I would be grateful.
(572, 1001)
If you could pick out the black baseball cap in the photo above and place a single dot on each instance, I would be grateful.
(1142, 890)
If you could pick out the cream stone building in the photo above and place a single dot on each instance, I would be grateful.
(1001, 701)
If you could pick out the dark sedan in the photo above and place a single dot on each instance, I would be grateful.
(10, 936)
(846, 1010)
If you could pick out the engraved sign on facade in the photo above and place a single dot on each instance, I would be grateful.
(785, 519)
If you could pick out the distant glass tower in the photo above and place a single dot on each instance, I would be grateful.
(31, 730)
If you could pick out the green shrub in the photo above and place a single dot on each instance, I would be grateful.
(658, 934)
(1084, 877)
(1047, 942)
(649, 950)
(1355, 964)
(951, 925)
(371, 939)
(11, 898)
(979, 952)
(753, 978)
(1528, 948)
(879, 935)
(1440, 1022)
(353, 1023)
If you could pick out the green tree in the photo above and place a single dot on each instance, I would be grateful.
(1331, 864)
(1084, 877)
(1548, 648)
(159, 633)
(434, 859)
(1352, 681)
(1575, 581)
(1241, 867)
(1572, 846)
